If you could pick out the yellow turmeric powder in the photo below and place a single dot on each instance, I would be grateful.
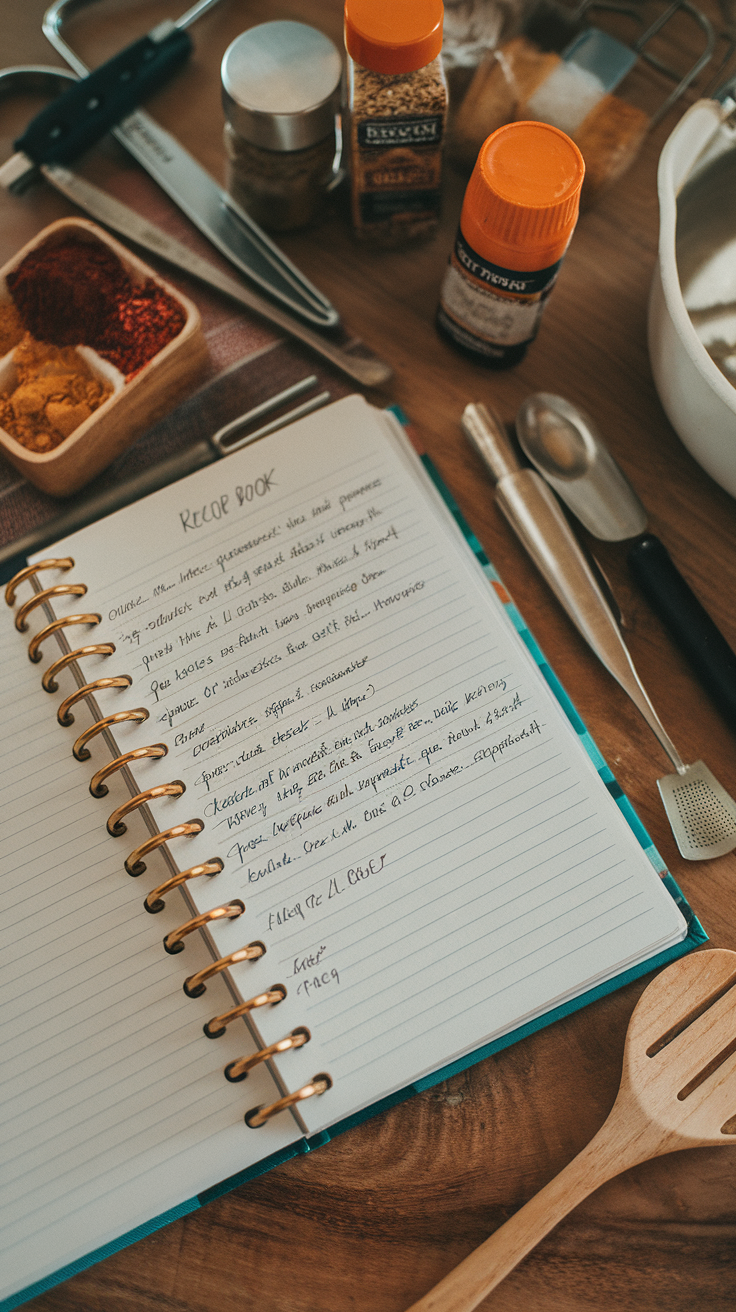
(11, 327)
(53, 393)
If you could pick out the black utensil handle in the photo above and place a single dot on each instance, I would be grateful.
(688, 622)
(78, 118)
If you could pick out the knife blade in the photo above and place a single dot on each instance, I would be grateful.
(349, 355)
(230, 229)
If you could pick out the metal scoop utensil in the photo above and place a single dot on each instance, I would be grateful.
(565, 446)
(678, 1090)
(700, 811)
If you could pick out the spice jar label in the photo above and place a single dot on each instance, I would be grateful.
(479, 319)
(487, 308)
(528, 283)
(382, 133)
(378, 205)
(396, 126)
(398, 181)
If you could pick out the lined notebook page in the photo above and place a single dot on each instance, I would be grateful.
(417, 833)
(113, 1107)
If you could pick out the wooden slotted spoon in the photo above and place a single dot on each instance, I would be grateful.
(678, 1090)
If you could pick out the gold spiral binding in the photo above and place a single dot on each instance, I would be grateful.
(63, 716)
(81, 752)
(194, 986)
(230, 911)
(98, 788)
(65, 562)
(48, 682)
(115, 826)
(215, 1027)
(134, 864)
(259, 1115)
(34, 646)
(38, 598)
(238, 1070)
(155, 903)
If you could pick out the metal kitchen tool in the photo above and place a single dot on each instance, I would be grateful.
(83, 112)
(700, 811)
(347, 353)
(592, 50)
(678, 1090)
(564, 445)
(197, 194)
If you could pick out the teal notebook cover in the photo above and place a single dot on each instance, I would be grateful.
(695, 937)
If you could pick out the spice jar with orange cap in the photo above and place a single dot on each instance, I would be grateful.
(520, 210)
(397, 105)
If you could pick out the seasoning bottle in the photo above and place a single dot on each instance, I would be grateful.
(520, 210)
(397, 106)
(281, 93)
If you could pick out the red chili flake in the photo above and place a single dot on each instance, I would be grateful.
(142, 322)
(76, 292)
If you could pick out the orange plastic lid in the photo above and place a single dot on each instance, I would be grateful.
(393, 36)
(524, 192)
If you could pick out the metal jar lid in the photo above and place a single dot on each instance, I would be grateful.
(280, 85)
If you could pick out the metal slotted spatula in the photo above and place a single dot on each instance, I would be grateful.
(700, 811)
(678, 1090)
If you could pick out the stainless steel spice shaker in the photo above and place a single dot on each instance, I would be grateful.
(281, 95)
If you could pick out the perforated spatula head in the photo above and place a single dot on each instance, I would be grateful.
(680, 1056)
(702, 814)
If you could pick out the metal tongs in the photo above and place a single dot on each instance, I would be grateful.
(195, 192)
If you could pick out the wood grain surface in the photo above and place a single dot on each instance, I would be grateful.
(660, 1108)
(371, 1221)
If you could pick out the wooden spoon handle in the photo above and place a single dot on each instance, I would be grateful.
(464, 1287)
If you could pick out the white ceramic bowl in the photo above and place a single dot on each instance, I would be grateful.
(697, 184)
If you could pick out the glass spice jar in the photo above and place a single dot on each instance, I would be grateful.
(397, 107)
(281, 93)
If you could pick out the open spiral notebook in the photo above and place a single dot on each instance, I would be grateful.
(399, 848)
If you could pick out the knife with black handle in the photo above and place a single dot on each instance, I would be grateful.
(63, 130)
(108, 98)
(83, 114)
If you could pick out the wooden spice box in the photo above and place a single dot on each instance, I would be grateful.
(142, 400)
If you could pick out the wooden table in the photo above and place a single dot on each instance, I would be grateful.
(372, 1220)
